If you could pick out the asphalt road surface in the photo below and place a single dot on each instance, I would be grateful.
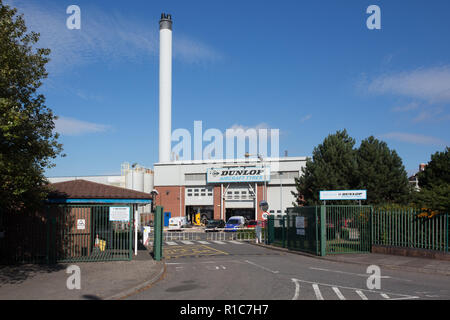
(227, 270)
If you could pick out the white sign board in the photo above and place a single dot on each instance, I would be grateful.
(299, 222)
(343, 195)
(81, 224)
(301, 232)
(119, 213)
(241, 174)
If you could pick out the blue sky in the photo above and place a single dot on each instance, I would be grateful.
(308, 68)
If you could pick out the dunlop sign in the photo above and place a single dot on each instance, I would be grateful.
(228, 175)
(343, 195)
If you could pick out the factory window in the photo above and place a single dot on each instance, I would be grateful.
(197, 177)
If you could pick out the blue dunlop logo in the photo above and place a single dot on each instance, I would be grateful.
(236, 175)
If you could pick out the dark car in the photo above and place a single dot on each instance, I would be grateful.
(251, 224)
(214, 225)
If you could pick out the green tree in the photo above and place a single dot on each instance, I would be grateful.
(434, 183)
(27, 140)
(381, 173)
(333, 166)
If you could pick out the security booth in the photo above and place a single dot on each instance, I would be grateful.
(90, 221)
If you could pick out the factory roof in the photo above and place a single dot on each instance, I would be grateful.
(83, 191)
(232, 161)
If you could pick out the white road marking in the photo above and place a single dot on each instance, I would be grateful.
(317, 292)
(338, 293)
(356, 274)
(203, 242)
(297, 289)
(362, 295)
(402, 296)
(218, 242)
(264, 268)
(384, 295)
(171, 243)
(186, 242)
(235, 242)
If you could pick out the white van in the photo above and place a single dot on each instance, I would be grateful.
(175, 224)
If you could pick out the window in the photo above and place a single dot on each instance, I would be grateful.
(198, 177)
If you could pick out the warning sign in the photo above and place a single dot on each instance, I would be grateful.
(81, 224)
(119, 214)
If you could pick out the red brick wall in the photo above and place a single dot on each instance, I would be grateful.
(217, 196)
(169, 198)
(260, 193)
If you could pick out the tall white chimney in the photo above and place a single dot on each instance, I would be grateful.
(165, 87)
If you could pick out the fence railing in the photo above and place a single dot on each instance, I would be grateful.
(325, 230)
(242, 234)
(409, 229)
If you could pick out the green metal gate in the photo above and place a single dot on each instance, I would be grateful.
(323, 230)
(348, 229)
(84, 233)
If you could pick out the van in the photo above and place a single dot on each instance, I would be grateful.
(235, 223)
(175, 224)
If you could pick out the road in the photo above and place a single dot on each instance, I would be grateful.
(227, 270)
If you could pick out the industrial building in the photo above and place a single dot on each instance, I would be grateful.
(217, 189)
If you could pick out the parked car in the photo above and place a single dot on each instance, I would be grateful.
(175, 224)
(234, 223)
(214, 225)
(251, 224)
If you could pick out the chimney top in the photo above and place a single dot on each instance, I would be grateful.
(165, 22)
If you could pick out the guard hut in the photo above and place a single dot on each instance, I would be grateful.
(89, 221)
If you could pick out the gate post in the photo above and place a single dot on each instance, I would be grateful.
(130, 234)
(158, 233)
(270, 229)
(323, 230)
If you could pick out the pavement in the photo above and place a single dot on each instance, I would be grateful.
(394, 262)
(132, 279)
(99, 280)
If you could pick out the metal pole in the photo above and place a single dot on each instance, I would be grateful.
(281, 193)
(135, 230)
(256, 201)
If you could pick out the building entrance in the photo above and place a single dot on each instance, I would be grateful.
(247, 213)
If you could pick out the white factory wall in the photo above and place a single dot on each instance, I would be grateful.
(174, 174)
(273, 198)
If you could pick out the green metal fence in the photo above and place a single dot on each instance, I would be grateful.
(298, 230)
(348, 229)
(86, 233)
(354, 229)
(323, 230)
(66, 233)
(407, 228)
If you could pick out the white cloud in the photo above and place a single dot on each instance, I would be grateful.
(261, 125)
(431, 84)
(413, 138)
(104, 36)
(405, 108)
(306, 118)
(73, 127)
